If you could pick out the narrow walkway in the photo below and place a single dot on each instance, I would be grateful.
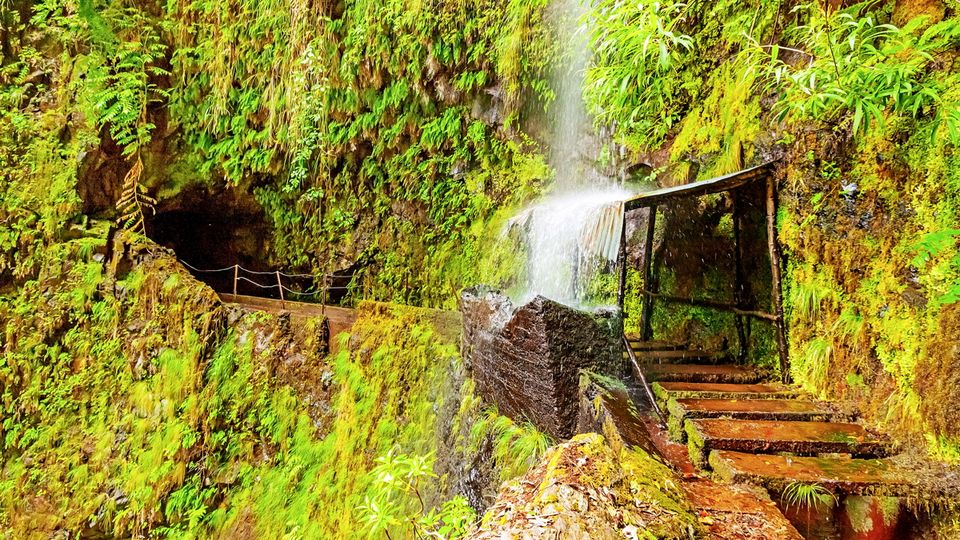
(730, 422)
(338, 319)
(725, 511)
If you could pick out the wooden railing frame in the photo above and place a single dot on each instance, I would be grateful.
(651, 293)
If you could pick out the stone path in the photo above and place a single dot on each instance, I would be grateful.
(726, 511)
(740, 429)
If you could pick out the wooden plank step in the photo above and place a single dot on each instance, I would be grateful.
(771, 436)
(724, 373)
(639, 345)
(691, 356)
(666, 390)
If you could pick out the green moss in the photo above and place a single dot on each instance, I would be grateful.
(695, 444)
(547, 499)
(201, 430)
(723, 126)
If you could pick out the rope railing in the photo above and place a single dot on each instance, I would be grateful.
(324, 289)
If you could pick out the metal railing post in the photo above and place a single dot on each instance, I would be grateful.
(643, 380)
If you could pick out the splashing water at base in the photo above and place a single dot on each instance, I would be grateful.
(574, 233)
(570, 236)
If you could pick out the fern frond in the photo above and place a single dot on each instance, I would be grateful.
(133, 200)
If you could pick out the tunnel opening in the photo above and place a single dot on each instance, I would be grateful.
(212, 232)
(223, 236)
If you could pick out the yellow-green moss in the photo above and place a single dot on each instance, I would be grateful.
(584, 488)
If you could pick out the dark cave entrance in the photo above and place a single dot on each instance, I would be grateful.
(211, 231)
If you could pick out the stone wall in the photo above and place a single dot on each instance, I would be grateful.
(527, 360)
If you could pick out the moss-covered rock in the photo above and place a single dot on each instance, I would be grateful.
(584, 489)
(134, 402)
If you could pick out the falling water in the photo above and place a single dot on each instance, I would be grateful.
(569, 116)
(570, 236)
(576, 230)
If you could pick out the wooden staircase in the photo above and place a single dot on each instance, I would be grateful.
(740, 428)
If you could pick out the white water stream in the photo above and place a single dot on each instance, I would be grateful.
(575, 231)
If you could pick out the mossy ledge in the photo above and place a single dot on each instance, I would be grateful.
(585, 489)
(135, 402)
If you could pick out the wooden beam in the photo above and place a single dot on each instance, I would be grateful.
(646, 331)
(763, 315)
(738, 277)
(773, 244)
(622, 263)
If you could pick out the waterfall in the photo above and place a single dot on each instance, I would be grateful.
(570, 125)
(575, 231)
(570, 236)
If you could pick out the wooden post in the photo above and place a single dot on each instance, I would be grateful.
(280, 286)
(236, 276)
(738, 282)
(323, 298)
(646, 331)
(622, 263)
(777, 291)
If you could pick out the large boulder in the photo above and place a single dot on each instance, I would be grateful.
(527, 360)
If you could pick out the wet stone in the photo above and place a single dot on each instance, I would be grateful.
(736, 511)
(665, 391)
(693, 356)
(527, 360)
(643, 346)
(751, 409)
(841, 475)
(768, 436)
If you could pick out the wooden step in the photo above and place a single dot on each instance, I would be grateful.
(680, 410)
(771, 436)
(725, 373)
(692, 356)
(839, 474)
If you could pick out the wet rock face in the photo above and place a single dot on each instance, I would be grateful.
(527, 360)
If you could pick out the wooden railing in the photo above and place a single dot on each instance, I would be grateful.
(274, 281)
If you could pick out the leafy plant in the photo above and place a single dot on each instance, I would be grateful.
(807, 495)
(635, 45)
(853, 67)
(398, 477)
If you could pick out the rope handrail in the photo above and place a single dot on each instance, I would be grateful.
(288, 289)
(237, 278)
(252, 272)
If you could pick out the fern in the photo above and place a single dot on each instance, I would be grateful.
(808, 496)
(134, 201)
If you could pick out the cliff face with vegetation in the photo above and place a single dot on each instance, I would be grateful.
(858, 102)
(134, 402)
(387, 141)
